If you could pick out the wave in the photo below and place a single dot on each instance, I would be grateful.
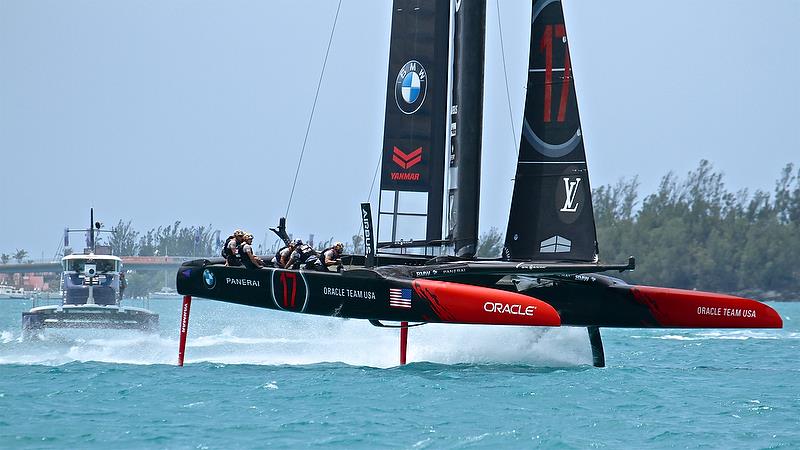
(740, 335)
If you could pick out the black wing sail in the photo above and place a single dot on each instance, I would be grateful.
(551, 215)
(412, 172)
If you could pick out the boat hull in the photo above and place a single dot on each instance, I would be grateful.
(593, 300)
(364, 294)
(89, 316)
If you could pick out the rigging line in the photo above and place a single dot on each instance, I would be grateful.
(313, 108)
(505, 74)
(371, 187)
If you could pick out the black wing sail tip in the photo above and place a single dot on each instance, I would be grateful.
(551, 215)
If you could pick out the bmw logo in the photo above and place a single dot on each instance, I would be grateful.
(411, 87)
(208, 277)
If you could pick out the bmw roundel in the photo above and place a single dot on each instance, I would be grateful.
(411, 87)
(208, 278)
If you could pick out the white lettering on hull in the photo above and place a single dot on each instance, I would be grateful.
(506, 308)
(242, 282)
(349, 293)
(727, 312)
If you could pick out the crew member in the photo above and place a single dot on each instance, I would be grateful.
(282, 255)
(230, 251)
(250, 260)
(332, 256)
(123, 283)
(303, 256)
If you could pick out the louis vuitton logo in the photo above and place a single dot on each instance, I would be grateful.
(571, 190)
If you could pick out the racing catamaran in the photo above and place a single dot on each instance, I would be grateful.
(425, 269)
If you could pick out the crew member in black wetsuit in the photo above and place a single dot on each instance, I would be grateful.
(231, 249)
(303, 256)
(249, 260)
(331, 257)
(282, 256)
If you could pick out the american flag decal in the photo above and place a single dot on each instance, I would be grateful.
(400, 298)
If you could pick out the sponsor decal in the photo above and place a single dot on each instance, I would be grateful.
(209, 279)
(571, 190)
(348, 293)
(186, 273)
(726, 312)
(509, 308)
(407, 160)
(400, 298)
(289, 290)
(411, 87)
(366, 221)
(242, 282)
(529, 266)
(555, 244)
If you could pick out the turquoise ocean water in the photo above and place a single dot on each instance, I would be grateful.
(258, 378)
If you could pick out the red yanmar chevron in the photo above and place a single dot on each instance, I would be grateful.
(407, 161)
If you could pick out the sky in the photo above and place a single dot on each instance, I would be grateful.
(155, 111)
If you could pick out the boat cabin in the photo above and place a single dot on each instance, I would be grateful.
(90, 279)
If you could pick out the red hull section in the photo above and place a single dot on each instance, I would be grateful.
(694, 309)
(461, 303)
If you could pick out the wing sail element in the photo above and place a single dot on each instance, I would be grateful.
(412, 171)
(551, 215)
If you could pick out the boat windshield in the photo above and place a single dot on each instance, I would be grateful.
(102, 265)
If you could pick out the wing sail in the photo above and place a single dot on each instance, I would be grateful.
(551, 216)
(412, 172)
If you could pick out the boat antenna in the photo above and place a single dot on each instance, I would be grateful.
(313, 108)
(91, 229)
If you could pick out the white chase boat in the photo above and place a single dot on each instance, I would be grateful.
(90, 286)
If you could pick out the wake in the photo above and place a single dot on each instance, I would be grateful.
(274, 338)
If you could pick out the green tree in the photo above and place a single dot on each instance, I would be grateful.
(490, 244)
(357, 242)
(695, 233)
(5, 258)
(124, 240)
(19, 255)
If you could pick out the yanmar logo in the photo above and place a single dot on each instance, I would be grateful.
(406, 161)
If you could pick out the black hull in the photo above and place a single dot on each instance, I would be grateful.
(479, 292)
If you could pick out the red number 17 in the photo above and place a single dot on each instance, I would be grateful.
(287, 291)
(546, 46)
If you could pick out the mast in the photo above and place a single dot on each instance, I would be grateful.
(91, 229)
(466, 129)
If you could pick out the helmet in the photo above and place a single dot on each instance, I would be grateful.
(296, 242)
(238, 233)
(338, 246)
(248, 236)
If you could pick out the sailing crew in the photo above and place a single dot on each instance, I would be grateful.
(332, 256)
(123, 284)
(250, 260)
(282, 256)
(230, 251)
(303, 256)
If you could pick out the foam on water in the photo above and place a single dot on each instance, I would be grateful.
(271, 338)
